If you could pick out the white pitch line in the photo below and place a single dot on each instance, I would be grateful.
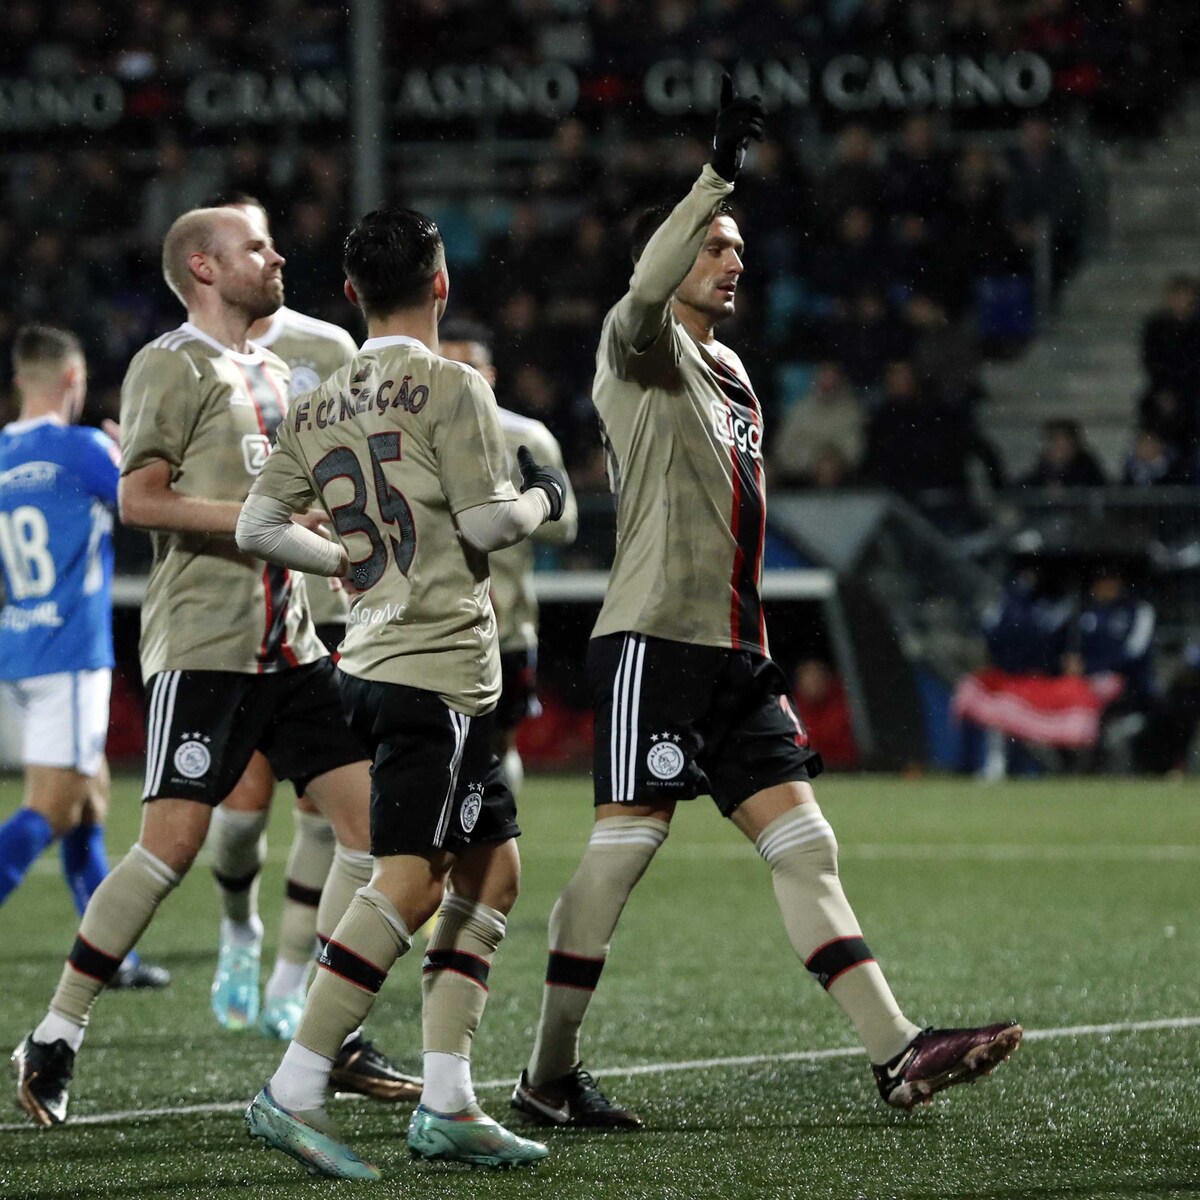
(629, 1072)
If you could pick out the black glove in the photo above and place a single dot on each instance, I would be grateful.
(737, 122)
(550, 479)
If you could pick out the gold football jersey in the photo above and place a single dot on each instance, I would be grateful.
(683, 434)
(211, 415)
(394, 445)
(513, 596)
(313, 350)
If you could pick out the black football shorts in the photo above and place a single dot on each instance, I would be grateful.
(675, 721)
(203, 726)
(436, 782)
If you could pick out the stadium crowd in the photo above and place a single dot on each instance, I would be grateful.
(884, 265)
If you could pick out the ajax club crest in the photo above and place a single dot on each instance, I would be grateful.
(468, 814)
(665, 758)
(193, 759)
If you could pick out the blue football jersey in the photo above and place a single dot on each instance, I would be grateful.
(58, 487)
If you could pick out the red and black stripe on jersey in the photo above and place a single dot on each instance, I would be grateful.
(274, 650)
(748, 517)
(270, 407)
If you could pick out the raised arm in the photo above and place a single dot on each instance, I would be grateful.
(673, 248)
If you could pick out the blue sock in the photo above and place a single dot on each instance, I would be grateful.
(22, 838)
(84, 862)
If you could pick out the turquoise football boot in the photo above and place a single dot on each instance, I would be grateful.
(470, 1136)
(235, 986)
(310, 1138)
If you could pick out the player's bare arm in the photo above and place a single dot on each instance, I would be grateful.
(147, 500)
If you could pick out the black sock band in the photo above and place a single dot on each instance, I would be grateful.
(573, 971)
(351, 967)
(470, 965)
(236, 883)
(87, 960)
(835, 958)
(303, 895)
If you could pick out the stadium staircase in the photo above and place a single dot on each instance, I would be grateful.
(1085, 363)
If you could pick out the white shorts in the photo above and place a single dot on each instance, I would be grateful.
(63, 718)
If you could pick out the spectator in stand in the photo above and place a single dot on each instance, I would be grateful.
(866, 339)
(872, 27)
(915, 263)
(829, 416)
(1114, 635)
(945, 353)
(971, 27)
(1171, 340)
(980, 238)
(1153, 463)
(918, 444)
(916, 178)
(1026, 630)
(1045, 197)
(1026, 635)
(1162, 747)
(855, 258)
(1143, 66)
(830, 470)
(853, 180)
(824, 708)
(1065, 460)
(1162, 410)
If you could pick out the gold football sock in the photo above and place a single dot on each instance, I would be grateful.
(801, 851)
(581, 928)
(308, 866)
(117, 914)
(351, 970)
(351, 870)
(454, 975)
(239, 849)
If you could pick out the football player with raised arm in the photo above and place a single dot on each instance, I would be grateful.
(513, 596)
(405, 452)
(687, 698)
(58, 487)
(229, 655)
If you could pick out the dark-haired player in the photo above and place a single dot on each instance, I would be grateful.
(229, 655)
(405, 452)
(513, 596)
(687, 698)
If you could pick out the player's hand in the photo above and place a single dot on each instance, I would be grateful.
(112, 429)
(315, 520)
(550, 479)
(739, 119)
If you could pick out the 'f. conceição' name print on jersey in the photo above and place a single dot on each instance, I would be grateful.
(358, 400)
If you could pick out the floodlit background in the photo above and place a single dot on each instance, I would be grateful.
(968, 307)
(970, 311)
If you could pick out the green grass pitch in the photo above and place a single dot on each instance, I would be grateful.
(1065, 904)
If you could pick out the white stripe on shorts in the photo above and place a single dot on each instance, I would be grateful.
(461, 725)
(627, 694)
(153, 713)
(166, 714)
